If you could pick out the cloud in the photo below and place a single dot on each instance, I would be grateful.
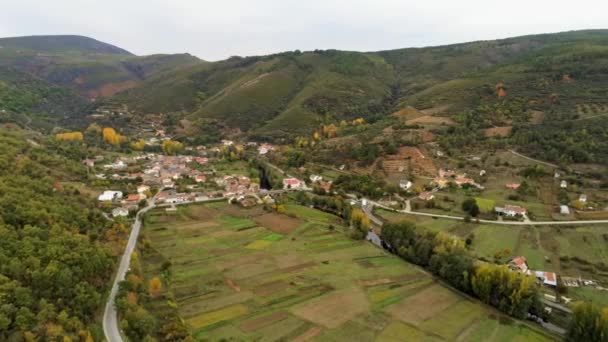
(217, 29)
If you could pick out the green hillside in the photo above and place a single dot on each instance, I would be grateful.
(29, 100)
(91, 68)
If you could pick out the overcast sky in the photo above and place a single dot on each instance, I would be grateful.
(214, 30)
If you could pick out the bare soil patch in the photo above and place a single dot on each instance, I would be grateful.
(432, 120)
(537, 117)
(232, 285)
(334, 309)
(270, 288)
(299, 267)
(408, 113)
(504, 131)
(260, 322)
(423, 305)
(308, 334)
(376, 282)
(435, 110)
(281, 224)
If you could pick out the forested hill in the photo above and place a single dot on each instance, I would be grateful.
(61, 44)
(89, 67)
(55, 264)
(502, 81)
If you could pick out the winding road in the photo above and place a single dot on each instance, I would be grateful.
(110, 319)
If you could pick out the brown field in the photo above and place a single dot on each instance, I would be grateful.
(308, 334)
(592, 215)
(260, 322)
(537, 117)
(334, 309)
(432, 120)
(408, 113)
(427, 303)
(281, 224)
(268, 289)
(435, 110)
(504, 131)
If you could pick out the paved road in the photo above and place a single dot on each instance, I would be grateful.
(110, 320)
(534, 160)
(507, 223)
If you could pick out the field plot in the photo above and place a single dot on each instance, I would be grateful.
(247, 274)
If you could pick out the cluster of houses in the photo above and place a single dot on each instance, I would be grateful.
(450, 176)
(520, 264)
(163, 171)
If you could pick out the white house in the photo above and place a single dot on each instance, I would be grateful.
(292, 183)
(316, 178)
(564, 210)
(120, 212)
(548, 278)
(582, 198)
(563, 184)
(405, 184)
(110, 195)
(511, 210)
(142, 188)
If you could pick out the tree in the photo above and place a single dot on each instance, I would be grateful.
(470, 206)
(138, 145)
(588, 323)
(155, 287)
(172, 147)
(112, 137)
(70, 136)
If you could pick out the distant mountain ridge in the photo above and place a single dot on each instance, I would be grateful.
(61, 43)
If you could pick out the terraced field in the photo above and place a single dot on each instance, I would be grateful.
(245, 274)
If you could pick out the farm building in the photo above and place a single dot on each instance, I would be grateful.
(120, 212)
(405, 184)
(518, 264)
(512, 186)
(548, 278)
(110, 195)
(292, 183)
(510, 210)
(426, 196)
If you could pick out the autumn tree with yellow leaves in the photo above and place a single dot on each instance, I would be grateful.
(112, 137)
(155, 287)
(138, 145)
(172, 147)
(70, 136)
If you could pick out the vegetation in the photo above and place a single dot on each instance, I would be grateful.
(511, 292)
(589, 323)
(55, 263)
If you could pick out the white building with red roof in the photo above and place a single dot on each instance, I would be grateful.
(292, 183)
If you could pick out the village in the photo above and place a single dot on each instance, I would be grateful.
(170, 180)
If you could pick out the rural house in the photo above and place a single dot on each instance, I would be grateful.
(519, 264)
(510, 210)
(292, 183)
(426, 196)
(110, 195)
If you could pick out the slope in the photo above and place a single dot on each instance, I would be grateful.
(92, 68)
(29, 100)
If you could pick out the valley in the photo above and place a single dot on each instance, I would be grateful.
(450, 193)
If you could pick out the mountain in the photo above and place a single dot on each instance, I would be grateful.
(91, 68)
(34, 102)
(61, 44)
(503, 80)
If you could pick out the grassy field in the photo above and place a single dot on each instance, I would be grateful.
(246, 274)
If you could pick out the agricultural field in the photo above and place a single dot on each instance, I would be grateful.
(568, 251)
(248, 274)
